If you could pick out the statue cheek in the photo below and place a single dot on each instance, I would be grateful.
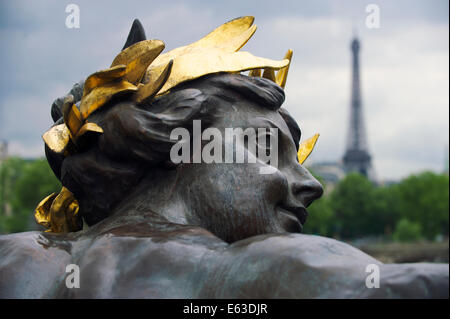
(276, 187)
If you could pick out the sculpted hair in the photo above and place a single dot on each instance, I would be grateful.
(136, 137)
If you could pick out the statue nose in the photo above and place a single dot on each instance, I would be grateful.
(306, 188)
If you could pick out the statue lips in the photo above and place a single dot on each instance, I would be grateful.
(296, 215)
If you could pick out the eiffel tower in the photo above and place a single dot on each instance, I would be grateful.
(357, 157)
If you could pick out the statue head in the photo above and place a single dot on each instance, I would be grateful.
(123, 151)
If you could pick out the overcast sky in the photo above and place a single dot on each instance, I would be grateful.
(404, 66)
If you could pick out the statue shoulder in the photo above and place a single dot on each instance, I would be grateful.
(309, 248)
(33, 245)
(30, 264)
(137, 261)
(290, 266)
(306, 266)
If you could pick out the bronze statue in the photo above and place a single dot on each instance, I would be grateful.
(139, 225)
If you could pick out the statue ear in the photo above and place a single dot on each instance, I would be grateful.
(136, 34)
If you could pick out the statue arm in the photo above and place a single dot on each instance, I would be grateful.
(304, 266)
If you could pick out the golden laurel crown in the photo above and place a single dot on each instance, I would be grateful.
(143, 73)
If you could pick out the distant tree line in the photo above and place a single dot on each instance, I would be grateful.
(23, 184)
(415, 208)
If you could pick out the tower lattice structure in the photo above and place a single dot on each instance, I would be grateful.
(357, 157)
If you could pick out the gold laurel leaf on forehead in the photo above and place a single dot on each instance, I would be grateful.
(306, 147)
(137, 58)
(211, 60)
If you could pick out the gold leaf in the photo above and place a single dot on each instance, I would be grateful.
(149, 90)
(269, 74)
(230, 37)
(42, 211)
(138, 49)
(236, 43)
(216, 52)
(137, 58)
(210, 60)
(88, 129)
(72, 116)
(74, 222)
(103, 77)
(283, 73)
(98, 96)
(255, 73)
(64, 213)
(306, 147)
(226, 35)
(57, 138)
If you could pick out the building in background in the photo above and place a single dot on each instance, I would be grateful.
(356, 157)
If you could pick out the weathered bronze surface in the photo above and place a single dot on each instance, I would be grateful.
(164, 230)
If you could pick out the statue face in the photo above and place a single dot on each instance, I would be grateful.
(234, 200)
